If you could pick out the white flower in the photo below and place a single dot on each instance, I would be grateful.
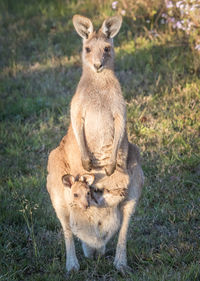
(181, 7)
(197, 47)
(179, 25)
(123, 12)
(179, 3)
(194, 7)
(154, 33)
(169, 4)
(114, 5)
(172, 20)
(164, 15)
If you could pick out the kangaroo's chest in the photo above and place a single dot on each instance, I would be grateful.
(99, 126)
(99, 134)
(99, 123)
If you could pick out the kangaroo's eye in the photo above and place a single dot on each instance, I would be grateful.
(88, 193)
(107, 49)
(88, 50)
(75, 195)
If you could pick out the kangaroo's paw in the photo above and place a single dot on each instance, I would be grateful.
(87, 164)
(110, 169)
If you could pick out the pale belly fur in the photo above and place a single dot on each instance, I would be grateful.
(99, 134)
(95, 226)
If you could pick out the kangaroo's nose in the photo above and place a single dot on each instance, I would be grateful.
(97, 66)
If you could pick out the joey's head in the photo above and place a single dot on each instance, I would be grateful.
(80, 195)
(98, 48)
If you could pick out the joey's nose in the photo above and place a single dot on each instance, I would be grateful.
(98, 66)
(87, 206)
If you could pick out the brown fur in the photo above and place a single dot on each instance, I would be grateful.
(113, 205)
(96, 141)
(98, 111)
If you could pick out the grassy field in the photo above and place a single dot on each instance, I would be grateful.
(40, 67)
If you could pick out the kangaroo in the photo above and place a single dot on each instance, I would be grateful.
(98, 111)
(96, 139)
(96, 216)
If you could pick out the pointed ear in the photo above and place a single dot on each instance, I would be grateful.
(68, 180)
(83, 26)
(111, 26)
(87, 178)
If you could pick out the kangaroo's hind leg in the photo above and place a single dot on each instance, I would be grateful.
(128, 206)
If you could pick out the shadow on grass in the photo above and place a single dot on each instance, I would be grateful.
(145, 71)
(155, 69)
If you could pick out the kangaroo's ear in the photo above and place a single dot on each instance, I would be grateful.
(83, 26)
(89, 179)
(111, 26)
(68, 180)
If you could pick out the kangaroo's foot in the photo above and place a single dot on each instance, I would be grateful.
(72, 265)
(122, 267)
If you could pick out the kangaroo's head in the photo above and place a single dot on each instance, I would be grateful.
(98, 48)
(80, 195)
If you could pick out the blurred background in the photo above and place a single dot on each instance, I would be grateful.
(158, 65)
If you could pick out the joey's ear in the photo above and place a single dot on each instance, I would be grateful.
(89, 179)
(68, 180)
(83, 26)
(111, 26)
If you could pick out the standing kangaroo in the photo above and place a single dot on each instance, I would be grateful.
(98, 111)
(97, 139)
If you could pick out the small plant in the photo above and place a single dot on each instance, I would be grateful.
(27, 210)
(184, 15)
(180, 16)
(140, 9)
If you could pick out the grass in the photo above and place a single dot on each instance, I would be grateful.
(160, 77)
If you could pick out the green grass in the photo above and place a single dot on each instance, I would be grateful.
(160, 77)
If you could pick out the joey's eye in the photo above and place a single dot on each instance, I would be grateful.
(107, 49)
(75, 195)
(88, 50)
(88, 193)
